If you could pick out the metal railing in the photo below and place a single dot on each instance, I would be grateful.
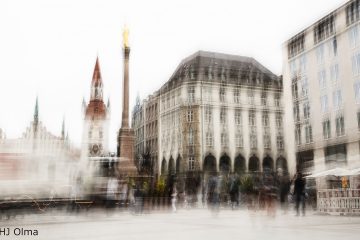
(339, 201)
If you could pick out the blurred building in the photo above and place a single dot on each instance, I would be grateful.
(145, 124)
(38, 162)
(217, 112)
(322, 91)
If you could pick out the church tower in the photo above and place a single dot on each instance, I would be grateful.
(96, 119)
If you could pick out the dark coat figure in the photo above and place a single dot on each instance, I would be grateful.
(284, 189)
(234, 192)
(139, 200)
(213, 192)
(299, 192)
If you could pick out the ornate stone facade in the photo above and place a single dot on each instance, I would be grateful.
(221, 112)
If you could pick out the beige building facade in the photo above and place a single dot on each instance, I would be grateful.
(221, 112)
(322, 91)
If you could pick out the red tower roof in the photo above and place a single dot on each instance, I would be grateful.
(96, 109)
(96, 80)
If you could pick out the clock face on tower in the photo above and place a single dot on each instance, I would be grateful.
(95, 149)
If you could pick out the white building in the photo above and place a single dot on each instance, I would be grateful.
(221, 112)
(322, 91)
(37, 163)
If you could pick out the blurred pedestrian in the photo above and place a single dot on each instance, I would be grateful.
(299, 192)
(234, 192)
(174, 199)
(284, 189)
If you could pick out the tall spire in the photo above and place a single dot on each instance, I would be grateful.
(36, 112)
(96, 79)
(63, 129)
(96, 83)
(108, 103)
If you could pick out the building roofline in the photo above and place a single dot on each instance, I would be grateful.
(340, 7)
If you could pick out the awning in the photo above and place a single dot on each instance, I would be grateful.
(338, 172)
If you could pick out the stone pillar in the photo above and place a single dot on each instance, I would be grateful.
(126, 137)
(125, 112)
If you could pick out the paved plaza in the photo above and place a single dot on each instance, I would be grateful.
(185, 224)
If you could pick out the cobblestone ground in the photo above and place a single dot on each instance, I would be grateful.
(184, 224)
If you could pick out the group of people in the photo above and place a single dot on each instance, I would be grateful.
(265, 191)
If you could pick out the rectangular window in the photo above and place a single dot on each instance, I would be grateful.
(236, 95)
(334, 45)
(191, 94)
(222, 94)
(253, 141)
(352, 12)
(209, 139)
(320, 54)
(298, 134)
(357, 91)
(326, 129)
(190, 116)
(306, 110)
(296, 45)
(192, 73)
(208, 114)
(340, 126)
(324, 29)
(356, 64)
(322, 79)
(302, 64)
(223, 115)
(278, 121)
(334, 73)
(294, 88)
(210, 73)
(263, 99)
(267, 141)
(296, 112)
(292, 67)
(265, 119)
(251, 97)
(324, 104)
(277, 99)
(238, 117)
(308, 134)
(335, 155)
(224, 140)
(337, 99)
(191, 136)
(304, 86)
(191, 163)
(354, 36)
(280, 142)
(239, 140)
(252, 121)
(208, 94)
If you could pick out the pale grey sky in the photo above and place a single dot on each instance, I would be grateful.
(48, 48)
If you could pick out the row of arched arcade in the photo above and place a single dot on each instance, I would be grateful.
(224, 164)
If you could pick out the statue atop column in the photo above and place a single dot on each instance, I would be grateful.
(126, 137)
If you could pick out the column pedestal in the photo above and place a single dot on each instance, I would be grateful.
(126, 164)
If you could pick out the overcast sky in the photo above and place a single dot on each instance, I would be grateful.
(48, 48)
